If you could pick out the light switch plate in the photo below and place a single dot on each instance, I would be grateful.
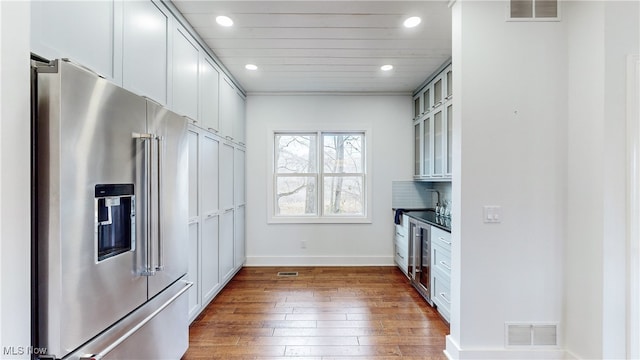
(492, 214)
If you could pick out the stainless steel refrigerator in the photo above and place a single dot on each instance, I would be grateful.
(111, 192)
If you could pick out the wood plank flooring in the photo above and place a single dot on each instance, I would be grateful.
(325, 313)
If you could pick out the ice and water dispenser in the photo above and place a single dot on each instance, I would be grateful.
(115, 219)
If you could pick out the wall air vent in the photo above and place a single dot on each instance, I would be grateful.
(519, 334)
(534, 10)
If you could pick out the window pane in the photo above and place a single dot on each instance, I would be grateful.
(296, 195)
(343, 153)
(295, 153)
(546, 8)
(343, 195)
(521, 8)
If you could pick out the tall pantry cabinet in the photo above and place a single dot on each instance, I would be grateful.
(144, 47)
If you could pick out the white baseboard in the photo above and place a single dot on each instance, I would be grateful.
(319, 261)
(453, 351)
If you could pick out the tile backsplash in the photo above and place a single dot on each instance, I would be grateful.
(414, 194)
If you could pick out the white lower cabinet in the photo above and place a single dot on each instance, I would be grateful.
(226, 244)
(239, 237)
(193, 274)
(209, 257)
(401, 245)
(441, 271)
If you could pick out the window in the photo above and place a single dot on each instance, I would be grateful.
(319, 175)
(530, 10)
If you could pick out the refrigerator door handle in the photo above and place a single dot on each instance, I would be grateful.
(138, 326)
(160, 147)
(149, 269)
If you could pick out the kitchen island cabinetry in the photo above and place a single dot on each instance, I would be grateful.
(432, 123)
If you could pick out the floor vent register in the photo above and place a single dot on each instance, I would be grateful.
(287, 273)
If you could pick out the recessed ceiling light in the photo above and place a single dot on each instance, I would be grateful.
(412, 22)
(251, 67)
(386, 67)
(224, 20)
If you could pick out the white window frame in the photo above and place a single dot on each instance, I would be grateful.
(533, 17)
(320, 218)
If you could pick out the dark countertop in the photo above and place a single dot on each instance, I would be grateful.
(430, 217)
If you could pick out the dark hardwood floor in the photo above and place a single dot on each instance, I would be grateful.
(323, 313)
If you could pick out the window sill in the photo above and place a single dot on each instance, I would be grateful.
(319, 220)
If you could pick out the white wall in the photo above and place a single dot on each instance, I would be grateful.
(558, 169)
(510, 150)
(14, 179)
(388, 117)
(601, 35)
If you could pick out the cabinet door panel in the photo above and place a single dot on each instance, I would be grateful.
(438, 143)
(449, 82)
(417, 149)
(438, 91)
(227, 107)
(426, 100)
(226, 176)
(416, 107)
(239, 174)
(194, 157)
(226, 257)
(449, 138)
(209, 257)
(238, 126)
(208, 103)
(144, 64)
(192, 275)
(427, 143)
(209, 173)
(239, 237)
(185, 74)
(83, 31)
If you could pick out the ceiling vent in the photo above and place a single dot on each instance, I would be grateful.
(534, 10)
(519, 334)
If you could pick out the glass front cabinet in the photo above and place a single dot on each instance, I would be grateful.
(433, 123)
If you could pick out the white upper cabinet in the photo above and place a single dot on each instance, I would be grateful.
(208, 76)
(238, 119)
(433, 108)
(227, 107)
(226, 176)
(239, 177)
(87, 32)
(210, 174)
(144, 54)
(185, 74)
(194, 165)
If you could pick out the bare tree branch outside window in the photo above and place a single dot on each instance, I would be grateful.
(340, 176)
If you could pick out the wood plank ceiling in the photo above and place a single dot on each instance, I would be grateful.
(325, 46)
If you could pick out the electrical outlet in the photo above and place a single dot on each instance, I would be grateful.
(303, 244)
(492, 214)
